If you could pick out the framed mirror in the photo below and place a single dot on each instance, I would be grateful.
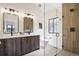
(28, 25)
(10, 22)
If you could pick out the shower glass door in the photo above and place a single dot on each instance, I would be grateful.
(53, 30)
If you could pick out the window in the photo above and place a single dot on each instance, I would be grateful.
(53, 25)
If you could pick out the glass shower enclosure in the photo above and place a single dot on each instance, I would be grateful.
(52, 29)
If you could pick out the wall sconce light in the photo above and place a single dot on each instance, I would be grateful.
(27, 14)
(11, 10)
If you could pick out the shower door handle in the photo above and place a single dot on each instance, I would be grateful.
(57, 34)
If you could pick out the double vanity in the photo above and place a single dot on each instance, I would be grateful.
(17, 46)
(14, 44)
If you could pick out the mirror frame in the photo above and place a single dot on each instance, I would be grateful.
(24, 26)
(4, 23)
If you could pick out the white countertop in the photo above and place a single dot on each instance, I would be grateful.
(5, 37)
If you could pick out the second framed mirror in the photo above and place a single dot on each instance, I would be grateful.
(28, 25)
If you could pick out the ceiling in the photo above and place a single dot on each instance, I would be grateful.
(26, 7)
(32, 7)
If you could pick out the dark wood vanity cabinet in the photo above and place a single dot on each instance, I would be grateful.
(25, 45)
(12, 47)
(19, 46)
(9, 47)
(30, 44)
(1, 47)
(34, 43)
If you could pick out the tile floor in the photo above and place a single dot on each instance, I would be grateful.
(50, 51)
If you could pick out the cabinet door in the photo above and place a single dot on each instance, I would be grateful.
(27, 45)
(37, 42)
(17, 46)
(13, 47)
(32, 43)
(9, 47)
(2, 47)
(23, 46)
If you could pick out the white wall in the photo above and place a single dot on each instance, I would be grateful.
(38, 17)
